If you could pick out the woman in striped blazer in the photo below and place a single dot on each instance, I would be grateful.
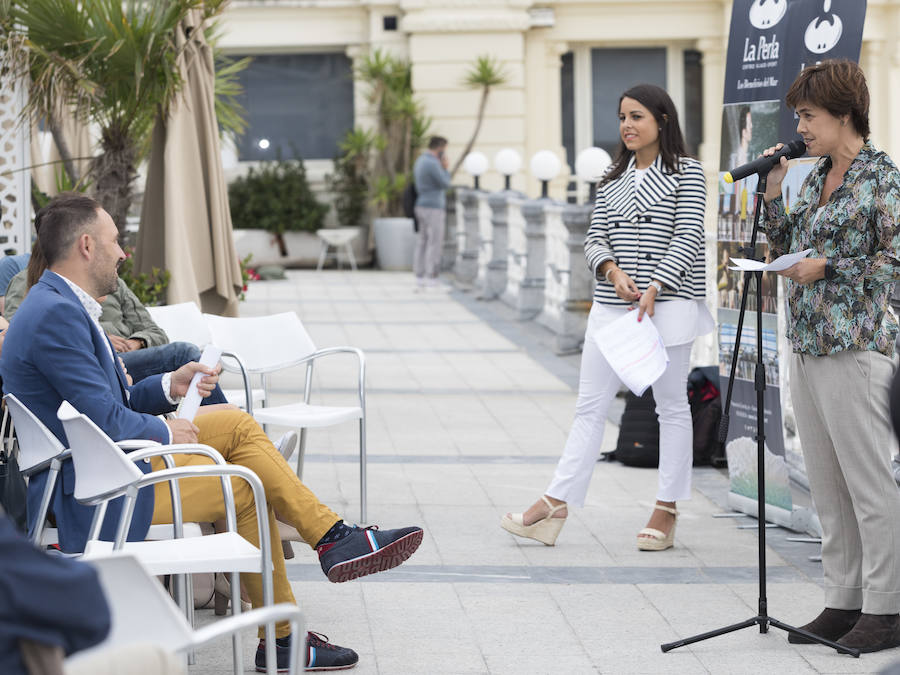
(645, 248)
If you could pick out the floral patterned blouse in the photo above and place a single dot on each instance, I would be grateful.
(859, 229)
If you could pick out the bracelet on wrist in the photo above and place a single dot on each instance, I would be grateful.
(658, 286)
(608, 272)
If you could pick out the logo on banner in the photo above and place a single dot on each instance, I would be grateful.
(823, 32)
(767, 13)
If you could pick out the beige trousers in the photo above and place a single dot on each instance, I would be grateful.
(841, 403)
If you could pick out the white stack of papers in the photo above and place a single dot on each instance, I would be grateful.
(190, 404)
(777, 265)
(634, 350)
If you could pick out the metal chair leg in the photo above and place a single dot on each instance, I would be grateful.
(362, 470)
(322, 255)
(351, 257)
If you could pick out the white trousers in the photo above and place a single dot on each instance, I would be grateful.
(597, 386)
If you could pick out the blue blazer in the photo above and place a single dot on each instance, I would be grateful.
(53, 352)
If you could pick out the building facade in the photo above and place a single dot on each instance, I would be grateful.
(566, 61)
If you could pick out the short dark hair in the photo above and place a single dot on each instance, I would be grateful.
(62, 221)
(838, 86)
(743, 113)
(436, 142)
(671, 141)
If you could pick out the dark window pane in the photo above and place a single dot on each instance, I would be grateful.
(567, 85)
(613, 71)
(693, 101)
(297, 105)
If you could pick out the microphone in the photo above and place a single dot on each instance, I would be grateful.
(793, 149)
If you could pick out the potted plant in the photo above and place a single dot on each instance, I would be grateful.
(400, 129)
(273, 199)
(350, 186)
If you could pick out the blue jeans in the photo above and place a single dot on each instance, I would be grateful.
(143, 363)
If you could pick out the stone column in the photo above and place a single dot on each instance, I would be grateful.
(530, 298)
(495, 275)
(448, 257)
(466, 267)
(579, 284)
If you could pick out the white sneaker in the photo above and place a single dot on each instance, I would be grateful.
(287, 444)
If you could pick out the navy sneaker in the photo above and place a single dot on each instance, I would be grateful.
(320, 654)
(367, 551)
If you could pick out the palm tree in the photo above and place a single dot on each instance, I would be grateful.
(400, 127)
(484, 74)
(111, 61)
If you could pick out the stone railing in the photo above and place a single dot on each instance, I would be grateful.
(529, 254)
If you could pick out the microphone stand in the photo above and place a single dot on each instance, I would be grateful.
(762, 619)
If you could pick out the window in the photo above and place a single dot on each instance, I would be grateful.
(612, 72)
(297, 105)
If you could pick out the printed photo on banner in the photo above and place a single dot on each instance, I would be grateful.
(730, 283)
(746, 364)
(747, 130)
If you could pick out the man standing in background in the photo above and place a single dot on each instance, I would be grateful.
(432, 180)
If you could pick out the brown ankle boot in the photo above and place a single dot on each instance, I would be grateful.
(830, 624)
(874, 632)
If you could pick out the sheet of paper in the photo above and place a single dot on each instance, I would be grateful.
(634, 349)
(777, 265)
(189, 405)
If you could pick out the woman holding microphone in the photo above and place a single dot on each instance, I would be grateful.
(842, 330)
(645, 248)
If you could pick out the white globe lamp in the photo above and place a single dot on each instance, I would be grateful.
(590, 165)
(507, 162)
(475, 164)
(545, 166)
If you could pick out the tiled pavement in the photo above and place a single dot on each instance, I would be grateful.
(468, 411)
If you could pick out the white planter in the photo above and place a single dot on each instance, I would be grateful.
(259, 243)
(395, 241)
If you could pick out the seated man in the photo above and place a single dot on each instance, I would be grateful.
(55, 350)
(143, 346)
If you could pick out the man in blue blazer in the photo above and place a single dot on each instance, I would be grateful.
(55, 351)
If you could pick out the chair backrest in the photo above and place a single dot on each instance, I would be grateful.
(100, 466)
(264, 343)
(141, 610)
(182, 323)
(37, 444)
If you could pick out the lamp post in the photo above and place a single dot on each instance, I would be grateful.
(475, 163)
(545, 167)
(507, 162)
(589, 167)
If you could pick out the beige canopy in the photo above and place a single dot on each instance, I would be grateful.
(185, 220)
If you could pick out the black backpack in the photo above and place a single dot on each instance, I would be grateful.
(410, 194)
(638, 443)
(706, 412)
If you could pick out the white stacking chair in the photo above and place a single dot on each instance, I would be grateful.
(142, 613)
(267, 344)
(39, 449)
(184, 322)
(104, 472)
(336, 238)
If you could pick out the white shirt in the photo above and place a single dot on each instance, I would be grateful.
(678, 321)
(639, 176)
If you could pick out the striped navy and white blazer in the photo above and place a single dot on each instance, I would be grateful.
(654, 232)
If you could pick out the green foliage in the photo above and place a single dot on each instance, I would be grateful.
(275, 197)
(150, 289)
(247, 274)
(485, 72)
(350, 183)
(400, 128)
(111, 61)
